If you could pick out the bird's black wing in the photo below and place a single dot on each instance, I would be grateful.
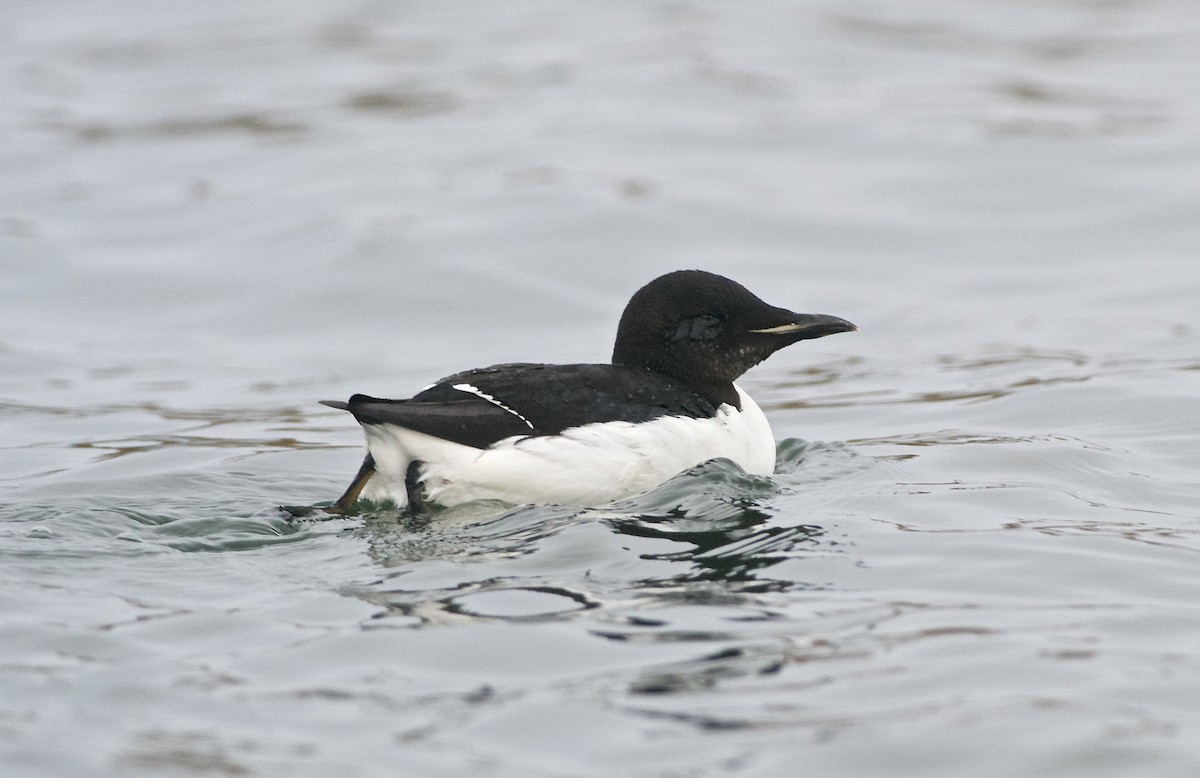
(471, 421)
(479, 407)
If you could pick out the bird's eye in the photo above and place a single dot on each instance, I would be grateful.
(703, 327)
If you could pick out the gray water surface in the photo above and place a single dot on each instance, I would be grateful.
(978, 555)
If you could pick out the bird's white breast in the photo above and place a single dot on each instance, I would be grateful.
(587, 465)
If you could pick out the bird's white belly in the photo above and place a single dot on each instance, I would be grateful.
(586, 466)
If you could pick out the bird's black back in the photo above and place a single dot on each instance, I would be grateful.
(532, 399)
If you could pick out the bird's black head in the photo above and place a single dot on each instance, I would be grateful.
(704, 330)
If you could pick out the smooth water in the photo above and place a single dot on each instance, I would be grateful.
(979, 555)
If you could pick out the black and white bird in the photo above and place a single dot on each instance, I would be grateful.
(588, 434)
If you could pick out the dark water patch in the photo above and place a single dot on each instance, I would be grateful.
(949, 438)
(183, 128)
(1060, 109)
(734, 551)
(188, 752)
(894, 31)
(227, 533)
(121, 447)
(1165, 530)
(521, 603)
(731, 527)
(508, 599)
(708, 489)
(707, 671)
(702, 614)
(477, 531)
(800, 463)
(707, 538)
(403, 103)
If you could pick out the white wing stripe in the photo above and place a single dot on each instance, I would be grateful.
(480, 393)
